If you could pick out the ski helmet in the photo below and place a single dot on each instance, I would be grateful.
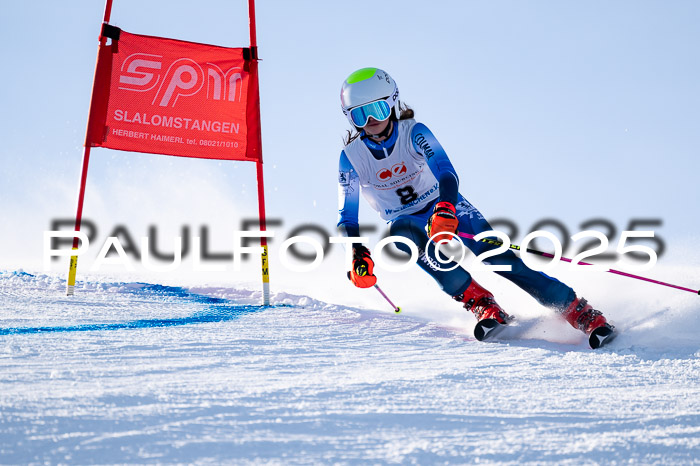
(369, 92)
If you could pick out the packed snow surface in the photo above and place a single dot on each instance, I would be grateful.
(148, 373)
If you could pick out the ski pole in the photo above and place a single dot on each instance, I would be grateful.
(396, 308)
(545, 254)
(362, 271)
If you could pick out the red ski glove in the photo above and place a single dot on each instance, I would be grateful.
(444, 219)
(361, 274)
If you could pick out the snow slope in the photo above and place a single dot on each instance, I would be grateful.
(143, 373)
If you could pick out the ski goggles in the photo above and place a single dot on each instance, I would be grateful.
(380, 110)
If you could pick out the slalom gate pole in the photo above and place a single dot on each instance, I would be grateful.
(264, 258)
(73, 266)
(396, 308)
(551, 256)
(259, 171)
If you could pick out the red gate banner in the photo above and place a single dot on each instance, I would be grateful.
(172, 97)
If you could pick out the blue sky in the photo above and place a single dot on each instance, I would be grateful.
(548, 109)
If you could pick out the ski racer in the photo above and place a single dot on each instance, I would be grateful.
(406, 176)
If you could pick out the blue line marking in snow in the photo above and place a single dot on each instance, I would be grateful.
(218, 310)
(222, 315)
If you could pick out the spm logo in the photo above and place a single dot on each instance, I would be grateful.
(183, 77)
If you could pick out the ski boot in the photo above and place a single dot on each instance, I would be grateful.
(592, 322)
(491, 318)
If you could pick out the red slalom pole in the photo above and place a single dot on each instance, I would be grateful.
(259, 161)
(73, 266)
(546, 254)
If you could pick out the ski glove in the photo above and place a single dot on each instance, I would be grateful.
(443, 220)
(361, 274)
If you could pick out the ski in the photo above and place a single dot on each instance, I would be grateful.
(601, 336)
(488, 328)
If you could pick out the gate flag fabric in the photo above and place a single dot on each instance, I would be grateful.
(172, 97)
